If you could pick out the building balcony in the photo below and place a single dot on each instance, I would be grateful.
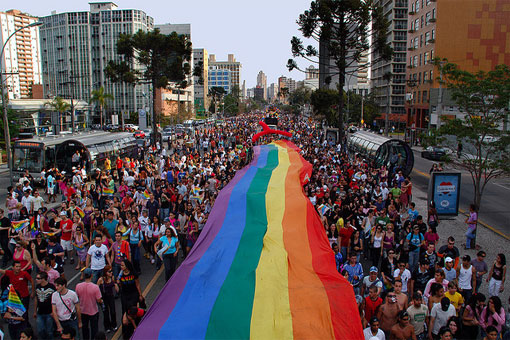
(431, 41)
(412, 13)
(411, 31)
(432, 20)
(411, 48)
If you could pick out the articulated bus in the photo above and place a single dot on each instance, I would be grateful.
(51, 151)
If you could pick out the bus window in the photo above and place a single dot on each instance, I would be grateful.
(28, 159)
(49, 157)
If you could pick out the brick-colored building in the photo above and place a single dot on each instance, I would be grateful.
(475, 34)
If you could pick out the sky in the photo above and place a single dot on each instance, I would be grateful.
(258, 33)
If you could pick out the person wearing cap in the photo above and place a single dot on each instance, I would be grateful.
(89, 296)
(439, 316)
(450, 272)
(371, 280)
(373, 331)
(403, 329)
(418, 316)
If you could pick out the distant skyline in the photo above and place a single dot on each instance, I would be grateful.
(258, 33)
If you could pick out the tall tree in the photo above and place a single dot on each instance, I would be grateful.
(100, 97)
(216, 93)
(343, 29)
(482, 127)
(58, 105)
(164, 59)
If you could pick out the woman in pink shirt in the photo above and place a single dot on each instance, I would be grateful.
(493, 314)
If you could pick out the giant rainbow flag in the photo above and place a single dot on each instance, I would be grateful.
(262, 267)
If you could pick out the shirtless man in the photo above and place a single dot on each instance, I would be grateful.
(388, 312)
(402, 300)
(403, 330)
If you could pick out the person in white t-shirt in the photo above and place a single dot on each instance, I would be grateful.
(96, 257)
(66, 309)
(403, 274)
(373, 331)
(37, 201)
(439, 316)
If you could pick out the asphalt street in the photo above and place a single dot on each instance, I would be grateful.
(495, 207)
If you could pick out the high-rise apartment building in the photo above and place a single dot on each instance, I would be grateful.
(77, 46)
(272, 92)
(311, 80)
(476, 40)
(388, 78)
(232, 65)
(21, 60)
(262, 83)
(220, 78)
(201, 59)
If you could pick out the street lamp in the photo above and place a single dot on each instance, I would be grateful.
(4, 101)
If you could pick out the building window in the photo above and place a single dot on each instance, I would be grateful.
(427, 38)
(425, 59)
(421, 40)
(431, 76)
(420, 60)
(424, 97)
(425, 76)
(417, 5)
(427, 17)
(417, 23)
(412, 7)
(433, 34)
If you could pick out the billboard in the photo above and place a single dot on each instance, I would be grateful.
(444, 191)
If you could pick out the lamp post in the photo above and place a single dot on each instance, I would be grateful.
(4, 101)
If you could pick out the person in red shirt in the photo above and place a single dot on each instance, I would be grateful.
(344, 236)
(19, 279)
(66, 233)
(371, 302)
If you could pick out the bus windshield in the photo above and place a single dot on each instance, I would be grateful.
(30, 159)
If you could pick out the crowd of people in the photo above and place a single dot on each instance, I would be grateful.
(138, 215)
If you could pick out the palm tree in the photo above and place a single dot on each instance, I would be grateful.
(59, 105)
(100, 97)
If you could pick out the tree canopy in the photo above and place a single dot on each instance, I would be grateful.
(343, 30)
(165, 59)
(482, 126)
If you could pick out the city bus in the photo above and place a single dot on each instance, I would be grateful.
(38, 153)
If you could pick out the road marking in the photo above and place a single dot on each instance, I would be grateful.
(117, 334)
(463, 212)
(503, 186)
(73, 278)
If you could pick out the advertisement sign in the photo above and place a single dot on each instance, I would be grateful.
(142, 119)
(444, 191)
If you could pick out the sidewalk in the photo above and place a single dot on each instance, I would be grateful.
(489, 241)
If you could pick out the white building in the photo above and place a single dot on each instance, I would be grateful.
(201, 59)
(76, 48)
(21, 61)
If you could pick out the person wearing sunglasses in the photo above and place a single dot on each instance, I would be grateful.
(403, 329)
(42, 305)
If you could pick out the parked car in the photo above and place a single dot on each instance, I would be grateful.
(434, 153)
(139, 134)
